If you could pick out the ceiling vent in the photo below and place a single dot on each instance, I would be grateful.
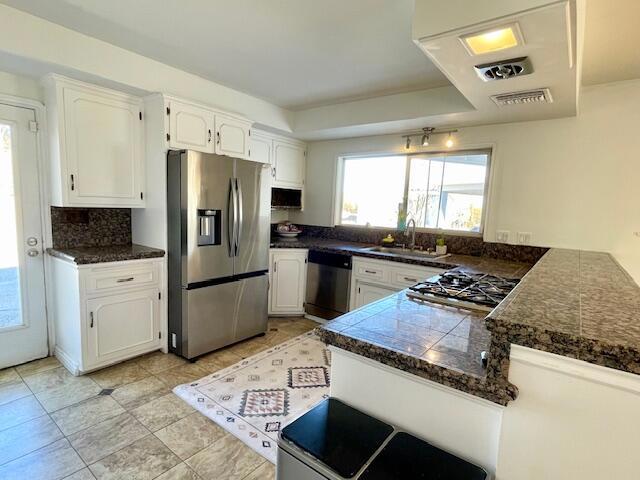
(540, 95)
(505, 69)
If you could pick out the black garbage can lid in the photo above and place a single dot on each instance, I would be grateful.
(407, 457)
(339, 436)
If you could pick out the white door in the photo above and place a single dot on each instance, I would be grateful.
(104, 141)
(122, 325)
(23, 322)
(289, 279)
(190, 127)
(366, 294)
(232, 137)
(288, 165)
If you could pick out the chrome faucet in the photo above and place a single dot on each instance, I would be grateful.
(411, 224)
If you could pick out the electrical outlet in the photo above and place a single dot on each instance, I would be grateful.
(502, 236)
(524, 238)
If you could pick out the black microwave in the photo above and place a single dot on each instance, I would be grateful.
(286, 199)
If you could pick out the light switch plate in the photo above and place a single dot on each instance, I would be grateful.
(502, 236)
(524, 238)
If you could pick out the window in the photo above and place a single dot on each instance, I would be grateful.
(438, 190)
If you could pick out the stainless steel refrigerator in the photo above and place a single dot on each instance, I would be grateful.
(218, 239)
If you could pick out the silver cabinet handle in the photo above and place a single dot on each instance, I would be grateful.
(410, 279)
(273, 172)
(373, 272)
(91, 316)
(240, 215)
(209, 139)
(122, 280)
(218, 137)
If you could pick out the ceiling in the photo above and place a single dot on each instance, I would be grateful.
(611, 41)
(294, 53)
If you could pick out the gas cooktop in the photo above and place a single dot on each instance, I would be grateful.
(476, 291)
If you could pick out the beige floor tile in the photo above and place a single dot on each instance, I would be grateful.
(138, 393)
(19, 411)
(249, 347)
(63, 396)
(118, 375)
(53, 378)
(218, 360)
(9, 375)
(190, 435)
(85, 414)
(27, 437)
(144, 459)
(103, 439)
(84, 474)
(182, 374)
(226, 459)
(155, 362)
(182, 471)
(37, 366)
(162, 411)
(52, 462)
(11, 391)
(266, 471)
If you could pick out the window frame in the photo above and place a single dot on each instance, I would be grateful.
(488, 151)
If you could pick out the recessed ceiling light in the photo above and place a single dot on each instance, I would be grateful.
(493, 40)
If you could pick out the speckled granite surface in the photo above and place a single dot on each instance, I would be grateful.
(577, 304)
(104, 254)
(90, 227)
(490, 265)
(436, 342)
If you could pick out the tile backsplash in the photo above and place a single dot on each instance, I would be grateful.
(90, 227)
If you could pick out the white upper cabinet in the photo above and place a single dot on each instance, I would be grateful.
(190, 127)
(288, 164)
(203, 129)
(260, 147)
(97, 145)
(232, 136)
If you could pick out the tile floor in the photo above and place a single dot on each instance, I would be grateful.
(123, 422)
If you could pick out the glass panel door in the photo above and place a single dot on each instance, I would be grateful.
(23, 323)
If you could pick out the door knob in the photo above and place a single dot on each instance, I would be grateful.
(32, 252)
(32, 241)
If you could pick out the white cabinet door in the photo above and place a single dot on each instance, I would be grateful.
(260, 148)
(288, 281)
(104, 148)
(366, 293)
(232, 136)
(288, 164)
(121, 325)
(191, 127)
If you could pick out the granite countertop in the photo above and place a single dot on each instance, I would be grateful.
(468, 262)
(437, 342)
(577, 304)
(104, 254)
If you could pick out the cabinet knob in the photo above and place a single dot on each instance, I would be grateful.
(209, 136)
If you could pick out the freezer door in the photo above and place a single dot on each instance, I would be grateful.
(206, 185)
(253, 187)
(219, 315)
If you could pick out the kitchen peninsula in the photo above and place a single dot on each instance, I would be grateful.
(573, 314)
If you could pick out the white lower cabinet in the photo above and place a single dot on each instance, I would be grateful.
(366, 293)
(106, 313)
(288, 275)
(372, 280)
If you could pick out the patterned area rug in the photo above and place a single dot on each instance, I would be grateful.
(254, 399)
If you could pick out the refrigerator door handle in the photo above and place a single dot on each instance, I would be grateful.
(239, 215)
(231, 218)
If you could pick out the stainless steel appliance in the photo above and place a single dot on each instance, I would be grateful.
(328, 284)
(218, 239)
(473, 291)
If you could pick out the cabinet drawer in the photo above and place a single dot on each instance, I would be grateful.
(370, 271)
(405, 277)
(122, 277)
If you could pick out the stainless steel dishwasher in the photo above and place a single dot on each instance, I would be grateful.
(328, 284)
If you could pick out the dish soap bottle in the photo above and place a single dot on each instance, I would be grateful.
(388, 240)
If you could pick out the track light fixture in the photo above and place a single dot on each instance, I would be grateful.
(425, 138)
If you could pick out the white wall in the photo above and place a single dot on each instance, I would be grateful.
(31, 44)
(571, 182)
(20, 86)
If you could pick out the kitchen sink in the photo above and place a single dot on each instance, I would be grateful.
(407, 252)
